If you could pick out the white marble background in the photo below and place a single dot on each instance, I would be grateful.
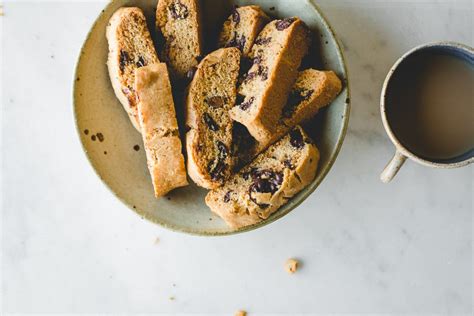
(69, 246)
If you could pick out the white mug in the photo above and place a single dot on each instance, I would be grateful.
(402, 152)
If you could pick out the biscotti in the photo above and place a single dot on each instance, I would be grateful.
(262, 187)
(312, 91)
(211, 95)
(130, 47)
(159, 129)
(242, 28)
(277, 54)
(179, 22)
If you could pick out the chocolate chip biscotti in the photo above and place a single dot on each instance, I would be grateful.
(277, 54)
(160, 129)
(312, 91)
(179, 21)
(130, 47)
(211, 95)
(242, 28)
(262, 187)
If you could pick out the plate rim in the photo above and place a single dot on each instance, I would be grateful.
(322, 173)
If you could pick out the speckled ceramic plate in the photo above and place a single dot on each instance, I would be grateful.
(115, 148)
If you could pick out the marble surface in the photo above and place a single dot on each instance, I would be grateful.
(69, 246)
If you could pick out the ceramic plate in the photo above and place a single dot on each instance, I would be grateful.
(115, 148)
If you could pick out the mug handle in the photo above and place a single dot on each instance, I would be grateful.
(392, 167)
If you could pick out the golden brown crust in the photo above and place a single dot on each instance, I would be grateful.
(130, 47)
(160, 129)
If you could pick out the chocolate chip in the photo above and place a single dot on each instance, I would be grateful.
(284, 24)
(190, 73)
(178, 10)
(86, 131)
(263, 72)
(141, 62)
(244, 106)
(263, 40)
(246, 175)
(264, 181)
(136, 148)
(210, 122)
(257, 60)
(227, 196)
(236, 16)
(296, 139)
(237, 41)
(93, 137)
(100, 137)
(217, 171)
(249, 77)
(126, 90)
(294, 100)
(222, 150)
(215, 101)
(124, 60)
(287, 163)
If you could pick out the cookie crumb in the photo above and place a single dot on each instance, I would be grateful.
(1, 10)
(291, 265)
(241, 313)
(136, 148)
(272, 8)
(172, 298)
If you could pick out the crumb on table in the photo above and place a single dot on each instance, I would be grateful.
(241, 313)
(291, 265)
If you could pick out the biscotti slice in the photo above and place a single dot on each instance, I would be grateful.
(160, 129)
(273, 178)
(277, 55)
(242, 28)
(212, 94)
(179, 22)
(130, 47)
(312, 91)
